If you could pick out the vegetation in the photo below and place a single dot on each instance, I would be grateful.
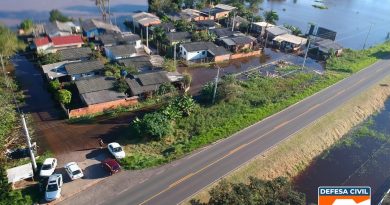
(182, 25)
(271, 17)
(352, 61)
(153, 125)
(54, 86)
(203, 36)
(56, 15)
(295, 30)
(169, 65)
(118, 71)
(277, 191)
(48, 58)
(121, 85)
(26, 25)
(165, 89)
(64, 96)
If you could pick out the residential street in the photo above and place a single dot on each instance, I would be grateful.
(171, 184)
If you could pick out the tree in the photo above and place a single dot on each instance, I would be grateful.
(121, 85)
(54, 85)
(165, 88)
(295, 30)
(169, 65)
(187, 80)
(26, 24)
(271, 17)
(9, 43)
(185, 104)
(159, 36)
(163, 6)
(203, 36)
(56, 15)
(154, 125)
(182, 25)
(48, 58)
(64, 96)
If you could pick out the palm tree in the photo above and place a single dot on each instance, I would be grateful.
(271, 17)
(159, 36)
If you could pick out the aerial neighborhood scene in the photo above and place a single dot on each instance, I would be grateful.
(195, 102)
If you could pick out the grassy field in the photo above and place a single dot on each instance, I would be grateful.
(244, 103)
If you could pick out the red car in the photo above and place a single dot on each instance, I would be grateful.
(111, 165)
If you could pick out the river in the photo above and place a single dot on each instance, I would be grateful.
(350, 18)
(361, 158)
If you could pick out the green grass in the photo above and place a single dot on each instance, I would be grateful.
(247, 103)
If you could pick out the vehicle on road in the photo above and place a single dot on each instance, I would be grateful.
(53, 187)
(73, 170)
(48, 167)
(115, 149)
(111, 165)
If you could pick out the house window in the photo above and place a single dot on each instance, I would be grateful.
(184, 53)
(203, 52)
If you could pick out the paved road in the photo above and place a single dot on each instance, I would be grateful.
(185, 177)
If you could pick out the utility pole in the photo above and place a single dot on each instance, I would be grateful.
(307, 50)
(33, 162)
(147, 36)
(234, 18)
(365, 41)
(174, 56)
(216, 85)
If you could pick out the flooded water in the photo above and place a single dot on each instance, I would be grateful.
(362, 158)
(350, 18)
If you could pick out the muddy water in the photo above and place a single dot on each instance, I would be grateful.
(361, 158)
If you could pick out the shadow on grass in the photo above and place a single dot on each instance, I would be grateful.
(384, 55)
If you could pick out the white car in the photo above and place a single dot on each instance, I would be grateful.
(116, 150)
(73, 170)
(53, 188)
(48, 167)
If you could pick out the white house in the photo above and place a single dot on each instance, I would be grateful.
(207, 51)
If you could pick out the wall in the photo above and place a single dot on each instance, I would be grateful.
(243, 55)
(195, 55)
(222, 58)
(98, 108)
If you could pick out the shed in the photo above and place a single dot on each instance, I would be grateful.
(147, 82)
(19, 173)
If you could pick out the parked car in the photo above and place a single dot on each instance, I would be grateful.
(48, 167)
(73, 170)
(116, 150)
(53, 188)
(111, 165)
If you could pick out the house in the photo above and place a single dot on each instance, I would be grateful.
(219, 11)
(325, 47)
(272, 32)
(93, 27)
(260, 27)
(55, 70)
(114, 39)
(238, 43)
(52, 44)
(178, 37)
(120, 52)
(57, 28)
(205, 25)
(143, 63)
(74, 54)
(98, 90)
(190, 15)
(147, 83)
(203, 51)
(144, 19)
(289, 42)
(84, 69)
(223, 32)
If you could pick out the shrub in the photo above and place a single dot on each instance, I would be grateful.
(169, 65)
(54, 85)
(49, 58)
(26, 24)
(165, 88)
(121, 85)
(187, 79)
(64, 96)
(154, 125)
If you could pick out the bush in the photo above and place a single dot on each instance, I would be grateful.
(54, 85)
(64, 96)
(187, 79)
(169, 65)
(165, 88)
(153, 125)
(26, 24)
(49, 58)
(121, 85)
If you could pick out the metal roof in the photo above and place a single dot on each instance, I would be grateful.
(147, 82)
(291, 39)
(122, 50)
(83, 67)
(205, 46)
(55, 70)
(94, 84)
(278, 30)
(75, 53)
(91, 24)
(225, 7)
(178, 36)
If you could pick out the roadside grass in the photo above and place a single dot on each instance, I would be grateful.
(293, 155)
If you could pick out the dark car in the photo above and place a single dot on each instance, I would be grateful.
(111, 165)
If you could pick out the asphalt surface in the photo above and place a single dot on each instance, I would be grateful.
(194, 172)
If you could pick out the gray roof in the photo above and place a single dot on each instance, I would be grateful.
(278, 30)
(98, 90)
(117, 38)
(83, 67)
(122, 50)
(205, 24)
(91, 24)
(147, 82)
(75, 53)
(209, 46)
(238, 40)
(325, 45)
(55, 70)
(178, 36)
(223, 32)
(139, 62)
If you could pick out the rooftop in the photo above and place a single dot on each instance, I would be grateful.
(53, 28)
(83, 67)
(143, 62)
(325, 45)
(55, 70)
(91, 24)
(58, 40)
(225, 7)
(122, 50)
(202, 46)
(223, 32)
(147, 82)
(75, 53)
(178, 36)
(205, 24)
(145, 19)
(278, 30)
(291, 39)
(118, 38)
(238, 40)
(263, 24)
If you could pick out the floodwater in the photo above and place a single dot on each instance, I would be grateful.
(358, 160)
(350, 18)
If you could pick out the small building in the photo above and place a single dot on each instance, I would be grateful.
(93, 27)
(203, 51)
(325, 48)
(144, 19)
(114, 39)
(143, 63)
(190, 15)
(206, 25)
(272, 32)
(178, 37)
(260, 27)
(53, 44)
(98, 90)
(55, 70)
(219, 11)
(57, 28)
(84, 69)
(224, 32)
(238, 43)
(74, 54)
(145, 84)
(289, 42)
(120, 52)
